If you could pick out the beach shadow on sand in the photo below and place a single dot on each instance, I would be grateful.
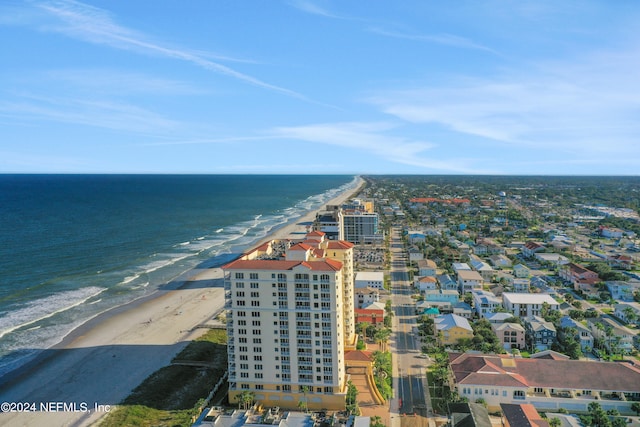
(105, 375)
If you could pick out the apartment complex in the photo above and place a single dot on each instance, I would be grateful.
(290, 316)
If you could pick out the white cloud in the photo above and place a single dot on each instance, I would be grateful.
(372, 137)
(443, 38)
(95, 25)
(586, 105)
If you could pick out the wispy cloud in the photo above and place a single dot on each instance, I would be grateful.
(582, 105)
(314, 9)
(374, 138)
(443, 39)
(95, 25)
(104, 114)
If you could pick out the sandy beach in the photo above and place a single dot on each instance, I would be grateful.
(101, 362)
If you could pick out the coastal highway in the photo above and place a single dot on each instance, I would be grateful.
(409, 369)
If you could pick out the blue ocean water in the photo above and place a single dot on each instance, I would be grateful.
(73, 246)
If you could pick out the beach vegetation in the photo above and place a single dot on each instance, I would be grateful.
(175, 394)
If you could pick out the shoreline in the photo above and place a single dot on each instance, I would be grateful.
(104, 359)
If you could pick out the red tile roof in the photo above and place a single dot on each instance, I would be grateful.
(339, 244)
(498, 370)
(325, 265)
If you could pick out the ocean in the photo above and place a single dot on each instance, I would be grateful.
(74, 246)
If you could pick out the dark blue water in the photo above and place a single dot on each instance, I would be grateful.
(72, 246)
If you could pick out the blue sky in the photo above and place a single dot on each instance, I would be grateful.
(338, 87)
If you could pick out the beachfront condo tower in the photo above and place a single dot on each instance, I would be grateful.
(290, 318)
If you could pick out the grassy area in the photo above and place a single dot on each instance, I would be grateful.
(172, 395)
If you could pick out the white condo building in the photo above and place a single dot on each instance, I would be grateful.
(290, 316)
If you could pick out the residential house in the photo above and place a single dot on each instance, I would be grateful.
(372, 314)
(365, 296)
(521, 285)
(547, 383)
(426, 267)
(415, 254)
(629, 312)
(624, 262)
(577, 275)
(521, 415)
(458, 266)
(498, 317)
(450, 296)
(468, 415)
(485, 302)
(369, 279)
(450, 328)
(527, 305)
(444, 307)
(613, 336)
(469, 280)
(426, 283)
(611, 232)
(463, 309)
(415, 236)
(540, 333)
(446, 282)
(521, 271)
(531, 248)
(500, 261)
(583, 334)
(486, 271)
(623, 291)
(511, 335)
(554, 259)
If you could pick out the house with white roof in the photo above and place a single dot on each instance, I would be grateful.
(369, 279)
(527, 305)
(485, 302)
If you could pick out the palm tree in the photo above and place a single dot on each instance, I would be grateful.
(246, 399)
(303, 402)
(381, 337)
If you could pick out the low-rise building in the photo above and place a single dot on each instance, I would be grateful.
(484, 302)
(426, 267)
(521, 415)
(500, 261)
(446, 282)
(577, 274)
(439, 295)
(511, 335)
(425, 283)
(521, 286)
(527, 305)
(468, 280)
(450, 328)
(628, 312)
(366, 296)
(540, 333)
(547, 383)
(369, 279)
(613, 336)
(623, 291)
(521, 271)
(582, 334)
(531, 248)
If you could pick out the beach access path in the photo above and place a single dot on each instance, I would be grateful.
(100, 363)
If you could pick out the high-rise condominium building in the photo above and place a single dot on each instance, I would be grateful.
(290, 316)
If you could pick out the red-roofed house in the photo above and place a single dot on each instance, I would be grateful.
(578, 275)
(547, 384)
(531, 248)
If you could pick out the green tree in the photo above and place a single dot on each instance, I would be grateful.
(555, 422)
(246, 399)
(635, 407)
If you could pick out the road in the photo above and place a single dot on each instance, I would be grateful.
(409, 370)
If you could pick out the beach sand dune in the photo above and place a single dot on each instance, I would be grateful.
(100, 363)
